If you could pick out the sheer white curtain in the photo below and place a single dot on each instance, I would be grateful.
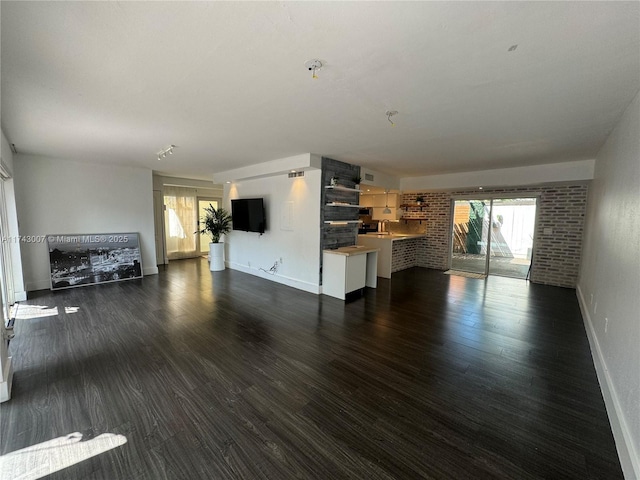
(181, 220)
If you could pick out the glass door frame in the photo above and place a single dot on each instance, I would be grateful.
(491, 196)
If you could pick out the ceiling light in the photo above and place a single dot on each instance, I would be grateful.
(313, 66)
(386, 210)
(389, 114)
(163, 153)
(479, 188)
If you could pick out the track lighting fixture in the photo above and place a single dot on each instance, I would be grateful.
(163, 153)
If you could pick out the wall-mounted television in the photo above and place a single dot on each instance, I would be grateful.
(248, 215)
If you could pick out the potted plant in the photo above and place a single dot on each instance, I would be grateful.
(357, 179)
(215, 223)
(419, 199)
(334, 181)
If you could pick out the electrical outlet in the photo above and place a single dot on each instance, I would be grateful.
(606, 324)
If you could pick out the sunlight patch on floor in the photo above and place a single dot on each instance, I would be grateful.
(51, 456)
(28, 312)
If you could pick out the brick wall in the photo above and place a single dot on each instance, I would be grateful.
(556, 256)
(404, 254)
(433, 251)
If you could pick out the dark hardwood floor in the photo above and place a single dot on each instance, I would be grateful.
(224, 375)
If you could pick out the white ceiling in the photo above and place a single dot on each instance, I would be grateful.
(225, 82)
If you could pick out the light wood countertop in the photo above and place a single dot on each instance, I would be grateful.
(353, 250)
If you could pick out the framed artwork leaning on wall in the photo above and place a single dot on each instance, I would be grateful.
(88, 259)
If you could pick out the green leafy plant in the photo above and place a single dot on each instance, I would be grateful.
(215, 223)
(419, 199)
(357, 179)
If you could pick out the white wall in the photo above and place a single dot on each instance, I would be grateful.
(12, 218)
(503, 177)
(299, 246)
(609, 282)
(62, 196)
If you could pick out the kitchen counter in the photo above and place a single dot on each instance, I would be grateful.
(393, 236)
(352, 250)
(397, 251)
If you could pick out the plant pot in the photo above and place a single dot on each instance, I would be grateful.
(357, 186)
(216, 256)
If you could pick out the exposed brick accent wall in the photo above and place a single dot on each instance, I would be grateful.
(433, 251)
(404, 254)
(556, 256)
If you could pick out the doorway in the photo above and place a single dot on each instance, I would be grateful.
(493, 236)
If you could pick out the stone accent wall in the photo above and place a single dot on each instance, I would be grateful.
(336, 236)
(404, 254)
(556, 258)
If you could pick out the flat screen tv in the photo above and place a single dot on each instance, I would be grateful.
(248, 215)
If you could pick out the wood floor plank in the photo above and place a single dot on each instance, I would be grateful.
(228, 376)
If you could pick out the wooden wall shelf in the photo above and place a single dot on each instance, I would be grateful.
(344, 189)
(416, 205)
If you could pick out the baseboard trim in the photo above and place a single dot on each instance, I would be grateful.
(629, 459)
(21, 296)
(290, 282)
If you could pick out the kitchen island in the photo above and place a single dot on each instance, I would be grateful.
(396, 251)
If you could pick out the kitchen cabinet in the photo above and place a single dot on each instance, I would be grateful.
(378, 214)
(378, 203)
(378, 200)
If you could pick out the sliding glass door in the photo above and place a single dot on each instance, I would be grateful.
(470, 235)
(493, 236)
(513, 222)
